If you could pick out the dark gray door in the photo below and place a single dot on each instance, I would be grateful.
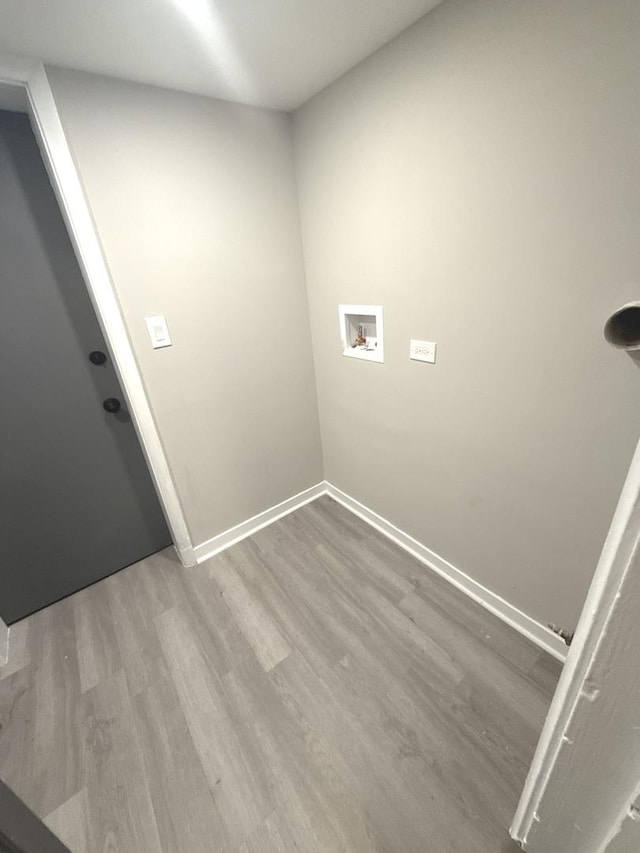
(76, 498)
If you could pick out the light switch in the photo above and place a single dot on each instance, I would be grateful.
(158, 331)
(423, 351)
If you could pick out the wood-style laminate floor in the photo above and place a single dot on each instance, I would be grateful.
(313, 688)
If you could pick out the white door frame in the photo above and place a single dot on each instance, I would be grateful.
(601, 637)
(30, 76)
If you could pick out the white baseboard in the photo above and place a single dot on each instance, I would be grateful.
(252, 525)
(186, 554)
(534, 631)
(4, 643)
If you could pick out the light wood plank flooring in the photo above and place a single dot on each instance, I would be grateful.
(313, 688)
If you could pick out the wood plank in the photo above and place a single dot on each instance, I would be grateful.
(312, 798)
(242, 801)
(96, 638)
(268, 643)
(119, 808)
(183, 803)
(39, 707)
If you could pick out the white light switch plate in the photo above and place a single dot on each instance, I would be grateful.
(158, 331)
(423, 351)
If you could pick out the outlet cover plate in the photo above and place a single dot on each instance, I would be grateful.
(423, 351)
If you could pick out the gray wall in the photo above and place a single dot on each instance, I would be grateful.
(479, 176)
(195, 204)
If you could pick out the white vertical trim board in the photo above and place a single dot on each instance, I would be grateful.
(58, 160)
(246, 528)
(534, 631)
(597, 639)
(4, 643)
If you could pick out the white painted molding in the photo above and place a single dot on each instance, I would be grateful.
(534, 631)
(66, 182)
(257, 522)
(594, 637)
(4, 643)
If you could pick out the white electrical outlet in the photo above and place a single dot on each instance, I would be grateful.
(423, 351)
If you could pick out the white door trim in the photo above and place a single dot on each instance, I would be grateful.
(48, 129)
(594, 638)
(4, 642)
(246, 528)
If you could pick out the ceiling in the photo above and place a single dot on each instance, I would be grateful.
(274, 53)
